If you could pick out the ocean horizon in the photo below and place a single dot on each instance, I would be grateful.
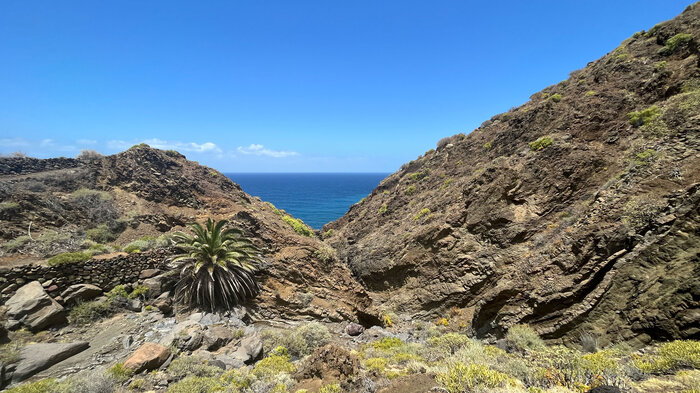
(316, 198)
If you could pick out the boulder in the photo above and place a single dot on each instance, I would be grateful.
(330, 363)
(250, 350)
(216, 336)
(148, 273)
(149, 356)
(354, 329)
(80, 292)
(34, 308)
(155, 286)
(37, 357)
(164, 303)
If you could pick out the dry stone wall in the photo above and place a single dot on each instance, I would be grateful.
(26, 165)
(105, 273)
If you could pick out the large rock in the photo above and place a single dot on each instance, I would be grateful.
(80, 292)
(37, 357)
(330, 363)
(354, 329)
(34, 308)
(250, 350)
(148, 357)
(216, 336)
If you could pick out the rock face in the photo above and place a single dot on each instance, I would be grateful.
(169, 192)
(37, 357)
(148, 357)
(80, 293)
(576, 212)
(34, 308)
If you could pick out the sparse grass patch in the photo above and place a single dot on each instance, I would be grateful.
(540, 143)
(556, 97)
(524, 337)
(192, 366)
(670, 357)
(326, 254)
(640, 118)
(120, 373)
(447, 183)
(88, 312)
(420, 175)
(195, 384)
(645, 157)
(382, 209)
(487, 146)
(69, 257)
(300, 342)
(100, 234)
(590, 93)
(17, 243)
(273, 208)
(423, 213)
(272, 366)
(468, 377)
(298, 225)
(675, 42)
(41, 386)
(410, 190)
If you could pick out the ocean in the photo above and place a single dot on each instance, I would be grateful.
(316, 198)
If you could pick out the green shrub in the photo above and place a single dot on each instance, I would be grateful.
(446, 183)
(383, 209)
(139, 245)
(450, 342)
(416, 176)
(41, 386)
(410, 190)
(298, 225)
(272, 207)
(642, 211)
(424, 212)
(645, 157)
(590, 93)
(120, 373)
(540, 143)
(300, 342)
(89, 312)
(524, 337)
(69, 257)
(601, 366)
(555, 97)
(466, 378)
(325, 235)
(101, 234)
(326, 254)
(487, 146)
(332, 388)
(388, 343)
(670, 357)
(237, 379)
(17, 243)
(192, 366)
(376, 364)
(139, 292)
(660, 66)
(273, 365)
(640, 118)
(675, 42)
(196, 385)
(9, 207)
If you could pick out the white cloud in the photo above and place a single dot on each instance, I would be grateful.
(13, 142)
(260, 150)
(206, 147)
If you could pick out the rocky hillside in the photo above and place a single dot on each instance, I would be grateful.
(128, 201)
(575, 213)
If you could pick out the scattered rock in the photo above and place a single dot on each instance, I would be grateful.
(148, 273)
(210, 319)
(164, 303)
(80, 292)
(354, 329)
(34, 308)
(605, 389)
(217, 336)
(148, 357)
(330, 363)
(37, 357)
(250, 350)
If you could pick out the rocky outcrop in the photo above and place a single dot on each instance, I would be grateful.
(149, 356)
(576, 212)
(77, 293)
(34, 308)
(37, 357)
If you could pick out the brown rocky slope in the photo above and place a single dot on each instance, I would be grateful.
(576, 212)
(145, 191)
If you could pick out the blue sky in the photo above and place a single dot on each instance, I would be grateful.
(288, 86)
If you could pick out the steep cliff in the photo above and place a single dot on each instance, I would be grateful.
(575, 212)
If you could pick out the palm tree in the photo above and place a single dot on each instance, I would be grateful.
(219, 266)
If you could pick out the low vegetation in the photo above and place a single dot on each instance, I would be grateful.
(540, 143)
(69, 257)
(645, 116)
(299, 226)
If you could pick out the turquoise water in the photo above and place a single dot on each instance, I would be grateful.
(316, 198)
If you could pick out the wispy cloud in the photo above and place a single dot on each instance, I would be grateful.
(260, 150)
(206, 147)
(13, 142)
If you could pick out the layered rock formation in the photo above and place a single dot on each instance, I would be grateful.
(575, 212)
